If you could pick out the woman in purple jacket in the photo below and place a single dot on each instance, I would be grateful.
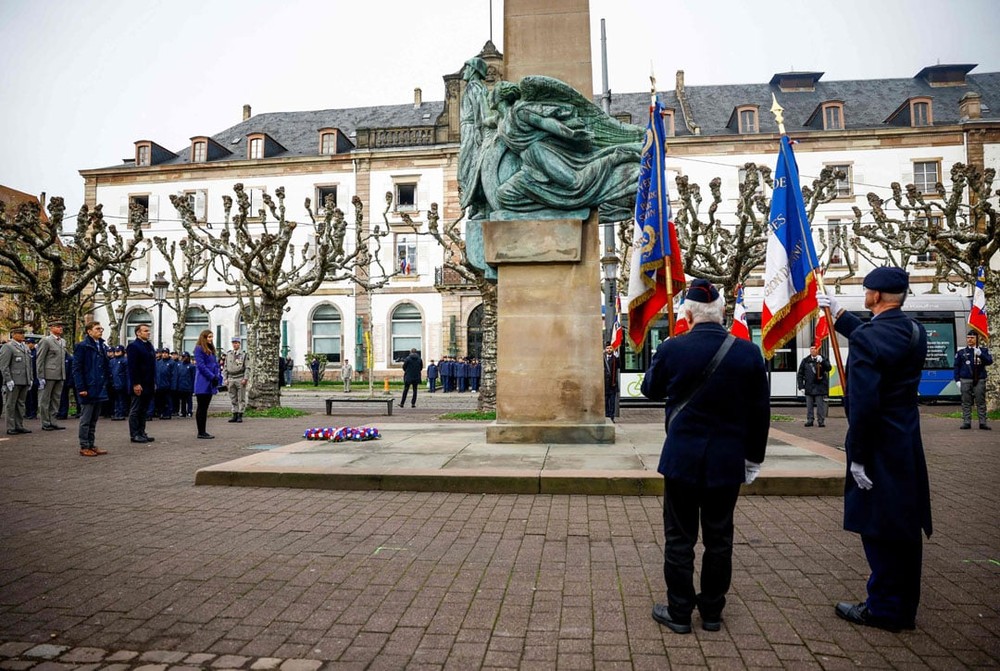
(207, 379)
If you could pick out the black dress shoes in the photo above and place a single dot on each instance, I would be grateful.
(52, 427)
(149, 439)
(139, 439)
(985, 427)
(205, 436)
(662, 615)
(13, 432)
(859, 614)
(711, 624)
(24, 430)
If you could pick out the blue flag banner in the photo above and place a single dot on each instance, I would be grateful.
(789, 275)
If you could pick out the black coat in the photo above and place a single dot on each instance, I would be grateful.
(883, 434)
(726, 421)
(808, 380)
(412, 366)
(141, 364)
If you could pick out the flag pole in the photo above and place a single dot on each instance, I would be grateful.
(778, 112)
(667, 268)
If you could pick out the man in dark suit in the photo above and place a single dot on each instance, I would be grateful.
(887, 494)
(813, 379)
(707, 454)
(141, 359)
(970, 374)
(413, 366)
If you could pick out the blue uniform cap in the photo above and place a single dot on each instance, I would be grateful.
(888, 279)
(701, 291)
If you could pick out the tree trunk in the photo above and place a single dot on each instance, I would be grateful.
(488, 357)
(263, 392)
(992, 288)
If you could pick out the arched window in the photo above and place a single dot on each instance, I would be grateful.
(327, 328)
(474, 334)
(195, 322)
(407, 331)
(135, 318)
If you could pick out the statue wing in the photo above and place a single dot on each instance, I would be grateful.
(607, 131)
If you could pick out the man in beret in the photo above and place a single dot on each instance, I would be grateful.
(51, 361)
(887, 494)
(237, 375)
(707, 454)
(15, 369)
(970, 373)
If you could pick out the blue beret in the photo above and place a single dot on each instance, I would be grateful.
(701, 291)
(888, 279)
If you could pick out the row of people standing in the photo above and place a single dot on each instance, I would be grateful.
(456, 374)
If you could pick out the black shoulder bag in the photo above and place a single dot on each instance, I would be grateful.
(720, 354)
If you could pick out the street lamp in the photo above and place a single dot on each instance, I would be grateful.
(610, 264)
(160, 284)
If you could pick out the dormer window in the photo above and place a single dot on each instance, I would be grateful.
(142, 152)
(833, 116)
(149, 153)
(747, 116)
(328, 144)
(668, 122)
(262, 145)
(920, 112)
(199, 152)
(256, 148)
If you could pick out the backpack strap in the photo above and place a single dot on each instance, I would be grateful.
(720, 354)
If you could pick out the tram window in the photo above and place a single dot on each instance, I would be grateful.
(633, 361)
(940, 344)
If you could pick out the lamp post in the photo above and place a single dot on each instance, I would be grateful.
(160, 285)
(610, 264)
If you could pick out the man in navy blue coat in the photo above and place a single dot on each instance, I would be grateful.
(708, 453)
(142, 375)
(91, 373)
(887, 494)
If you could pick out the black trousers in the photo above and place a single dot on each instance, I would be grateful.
(201, 411)
(683, 505)
(894, 583)
(137, 413)
(406, 387)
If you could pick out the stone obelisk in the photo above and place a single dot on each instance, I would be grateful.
(550, 380)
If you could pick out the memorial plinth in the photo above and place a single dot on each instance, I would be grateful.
(550, 383)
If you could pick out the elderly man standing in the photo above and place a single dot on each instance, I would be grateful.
(91, 373)
(887, 493)
(51, 353)
(236, 375)
(346, 373)
(15, 367)
(707, 454)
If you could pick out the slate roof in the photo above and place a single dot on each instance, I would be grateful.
(867, 104)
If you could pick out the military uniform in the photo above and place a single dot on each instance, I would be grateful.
(970, 373)
(51, 363)
(15, 367)
(236, 373)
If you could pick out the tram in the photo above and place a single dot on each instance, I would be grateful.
(943, 315)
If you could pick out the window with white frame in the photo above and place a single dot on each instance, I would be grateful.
(196, 321)
(406, 253)
(199, 151)
(406, 196)
(135, 318)
(926, 175)
(836, 242)
(328, 144)
(843, 186)
(407, 331)
(138, 207)
(256, 196)
(256, 148)
(197, 200)
(929, 255)
(323, 191)
(327, 331)
(743, 178)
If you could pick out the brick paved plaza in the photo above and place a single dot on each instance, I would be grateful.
(120, 562)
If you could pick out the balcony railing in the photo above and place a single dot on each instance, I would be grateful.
(445, 277)
(377, 138)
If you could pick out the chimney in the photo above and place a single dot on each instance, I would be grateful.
(679, 86)
(417, 98)
(970, 106)
(246, 112)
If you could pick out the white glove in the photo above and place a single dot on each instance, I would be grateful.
(819, 358)
(41, 384)
(977, 351)
(752, 471)
(828, 301)
(860, 477)
(10, 385)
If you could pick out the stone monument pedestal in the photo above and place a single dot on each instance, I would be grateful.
(550, 375)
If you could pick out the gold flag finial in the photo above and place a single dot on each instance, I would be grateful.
(777, 110)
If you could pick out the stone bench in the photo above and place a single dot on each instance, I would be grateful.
(387, 400)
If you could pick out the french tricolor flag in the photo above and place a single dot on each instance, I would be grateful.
(739, 327)
(977, 316)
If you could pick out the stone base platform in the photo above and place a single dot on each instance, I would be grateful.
(457, 458)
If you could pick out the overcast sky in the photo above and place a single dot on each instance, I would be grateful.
(81, 80)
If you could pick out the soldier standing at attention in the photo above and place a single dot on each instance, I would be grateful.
(345, 374)
(236, 379)
(52, 374)
(16, 370)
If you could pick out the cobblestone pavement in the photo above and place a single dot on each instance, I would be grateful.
(119, 562)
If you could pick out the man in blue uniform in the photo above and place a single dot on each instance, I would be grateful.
(887, 494)
(970, 373)
(707, 454)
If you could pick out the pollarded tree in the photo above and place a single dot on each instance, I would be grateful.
(958, 228)
(53, 271)
(187, 278)
(266, 264)
(452, 240)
